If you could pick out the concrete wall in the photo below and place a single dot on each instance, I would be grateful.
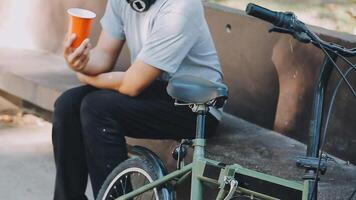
(271, 77)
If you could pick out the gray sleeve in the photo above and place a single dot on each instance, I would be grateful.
(112, 22)
(172, 37)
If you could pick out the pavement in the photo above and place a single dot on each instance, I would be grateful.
(26, 162)
(27, 168)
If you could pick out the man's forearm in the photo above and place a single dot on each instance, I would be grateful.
(111, 80)
(99, 63)
(131, 82)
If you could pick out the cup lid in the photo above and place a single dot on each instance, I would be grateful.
(82, 13)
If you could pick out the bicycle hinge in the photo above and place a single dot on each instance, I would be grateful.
(233, 187)
(313, 163)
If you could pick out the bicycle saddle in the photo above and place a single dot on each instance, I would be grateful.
(196, 90)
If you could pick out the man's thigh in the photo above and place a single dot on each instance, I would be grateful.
(149, 115)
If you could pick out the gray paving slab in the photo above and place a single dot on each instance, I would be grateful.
(27, 168)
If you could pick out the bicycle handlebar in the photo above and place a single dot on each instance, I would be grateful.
(262, 13)
(287, 22)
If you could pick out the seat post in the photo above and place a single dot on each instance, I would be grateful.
(201, 111)
(200, 126)
(199, 143)
(198, 154)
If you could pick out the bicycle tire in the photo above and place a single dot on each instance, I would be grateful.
(139, 166)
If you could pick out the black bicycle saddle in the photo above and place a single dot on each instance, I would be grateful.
(196, 90)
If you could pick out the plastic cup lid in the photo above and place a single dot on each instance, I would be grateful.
(82, 13)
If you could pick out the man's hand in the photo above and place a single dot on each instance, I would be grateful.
(78, 58)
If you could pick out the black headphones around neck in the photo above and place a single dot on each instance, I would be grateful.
(140, 5)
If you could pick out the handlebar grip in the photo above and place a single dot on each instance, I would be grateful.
(262, 13)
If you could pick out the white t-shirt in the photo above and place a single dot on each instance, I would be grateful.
(172, 36)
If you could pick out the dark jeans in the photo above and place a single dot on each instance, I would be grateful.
(89, 126)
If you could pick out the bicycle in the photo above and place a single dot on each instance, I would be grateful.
(200, 94)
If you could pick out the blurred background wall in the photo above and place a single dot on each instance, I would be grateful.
(41, 24)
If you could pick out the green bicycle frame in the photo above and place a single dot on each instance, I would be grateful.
(216, 174)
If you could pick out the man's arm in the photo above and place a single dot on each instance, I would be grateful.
(132, 82)
(92, 66)
(94, 61)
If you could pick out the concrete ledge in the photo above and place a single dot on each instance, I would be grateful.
(39, 78)
(238, 141)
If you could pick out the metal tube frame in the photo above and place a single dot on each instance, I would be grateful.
(197, 167)
(316, 122)
(165, 179)
(199, 145)
(228, 171)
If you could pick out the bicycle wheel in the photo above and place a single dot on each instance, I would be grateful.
(130, 175)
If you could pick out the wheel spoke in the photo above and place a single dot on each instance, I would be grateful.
(152, 195)
(125, 184)
(142, 193)
(122, 187)
(117, 192)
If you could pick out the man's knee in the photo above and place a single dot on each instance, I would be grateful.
(63, 104)
(94, 107)
(64, 110)
(69, 101)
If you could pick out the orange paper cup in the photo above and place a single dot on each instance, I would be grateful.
(81, 21)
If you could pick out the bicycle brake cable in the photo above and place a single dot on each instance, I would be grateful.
(352, 67)
(346, 60)
(353, 194)
(338, 69)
